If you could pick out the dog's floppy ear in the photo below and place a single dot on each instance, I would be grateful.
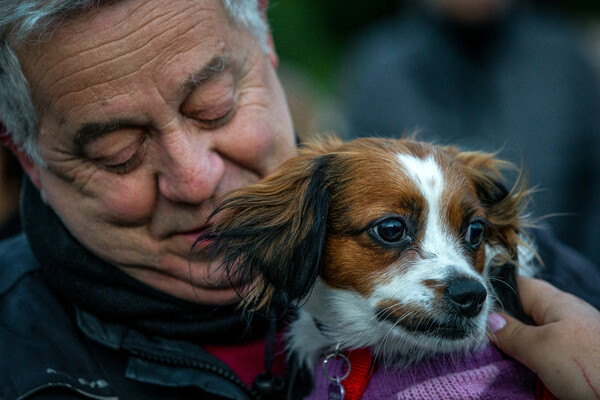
(505, 209)
(505, 216)
(273, 232)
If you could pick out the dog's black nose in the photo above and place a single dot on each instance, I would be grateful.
(467, 296)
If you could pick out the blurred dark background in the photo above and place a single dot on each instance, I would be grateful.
(313, 35)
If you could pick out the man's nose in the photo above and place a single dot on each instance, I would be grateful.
(190, 168)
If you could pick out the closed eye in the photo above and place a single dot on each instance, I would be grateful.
(119, 152)
(216, 122)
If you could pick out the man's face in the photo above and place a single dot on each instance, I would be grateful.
(147, 110)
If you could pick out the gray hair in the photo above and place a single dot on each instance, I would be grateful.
(24, 20)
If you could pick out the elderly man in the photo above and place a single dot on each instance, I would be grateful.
(129, 117)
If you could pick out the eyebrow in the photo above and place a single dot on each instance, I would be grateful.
(216, 66)
(90, 131)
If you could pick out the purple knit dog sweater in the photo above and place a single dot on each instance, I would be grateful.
(485, 374)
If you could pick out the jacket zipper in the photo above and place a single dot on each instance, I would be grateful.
(64, 386)
(251, 393)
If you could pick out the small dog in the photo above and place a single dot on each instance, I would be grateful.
(393, 245)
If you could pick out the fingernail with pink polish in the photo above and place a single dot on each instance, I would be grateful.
(495, 322)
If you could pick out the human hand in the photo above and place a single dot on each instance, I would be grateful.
(563, 349)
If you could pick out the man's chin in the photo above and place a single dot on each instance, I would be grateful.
(217, 289)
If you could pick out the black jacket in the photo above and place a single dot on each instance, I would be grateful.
(52, 350)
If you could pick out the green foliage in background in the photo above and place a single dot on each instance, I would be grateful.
(313, 34)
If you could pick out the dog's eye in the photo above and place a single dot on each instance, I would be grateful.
(475, 233)
(390, 230)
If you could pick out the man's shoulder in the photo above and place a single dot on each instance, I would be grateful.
(16, 262)
(40, 346)
(29, 309)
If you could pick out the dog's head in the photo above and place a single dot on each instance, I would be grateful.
(390, 236)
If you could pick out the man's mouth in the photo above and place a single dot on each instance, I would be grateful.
(192, 236)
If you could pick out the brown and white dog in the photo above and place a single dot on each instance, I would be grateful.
(388, 244)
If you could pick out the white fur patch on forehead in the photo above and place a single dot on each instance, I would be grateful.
(426, 174)
(437, 241)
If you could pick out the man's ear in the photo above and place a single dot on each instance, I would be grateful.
(273, 58)
(29, 166)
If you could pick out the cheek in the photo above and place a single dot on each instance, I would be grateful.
(255, 144)
(105, 198)
(261, 135)
(129, 203)
(354, 263)
(273, 142)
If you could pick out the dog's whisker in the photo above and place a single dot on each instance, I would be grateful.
(497, 302)
(496, 279)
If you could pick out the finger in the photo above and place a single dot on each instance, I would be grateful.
(541, 300)
(517, 340)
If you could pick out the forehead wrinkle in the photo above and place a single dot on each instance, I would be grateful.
(124, 54)
(102, 85)
(117, 44)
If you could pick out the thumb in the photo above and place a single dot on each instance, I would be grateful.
(515, 338)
